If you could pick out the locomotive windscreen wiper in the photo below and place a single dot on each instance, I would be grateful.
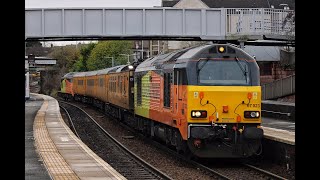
(241, 67)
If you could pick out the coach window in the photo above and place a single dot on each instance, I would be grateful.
(166, 91)
(101, 82)
(125, 80)
(120, 85)
(80, 82)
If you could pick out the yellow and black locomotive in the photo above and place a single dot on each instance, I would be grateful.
(205, 100)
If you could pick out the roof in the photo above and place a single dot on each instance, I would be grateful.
(240, 3)
(69, 75)
(193, 51)
(79, 74)
(264, 53)
(121, 67)
(91, 73)
(105, 71)
(40, 58)
(169, 3)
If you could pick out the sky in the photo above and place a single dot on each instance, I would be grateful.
(87, 3)
(90, 3)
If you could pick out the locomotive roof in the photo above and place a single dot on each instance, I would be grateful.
(153, 62)
(191, 52)
(181, 57)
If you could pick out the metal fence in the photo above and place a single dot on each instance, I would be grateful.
(260, 21)
(279, 88)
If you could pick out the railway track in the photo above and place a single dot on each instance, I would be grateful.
(119, 157)
(230, 171)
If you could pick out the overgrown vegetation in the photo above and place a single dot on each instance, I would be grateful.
(100, 55)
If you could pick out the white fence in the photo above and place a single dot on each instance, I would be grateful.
(279, 88)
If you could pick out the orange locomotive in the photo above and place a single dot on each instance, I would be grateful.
(203, 100)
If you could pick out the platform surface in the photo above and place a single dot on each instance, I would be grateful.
(64, 155)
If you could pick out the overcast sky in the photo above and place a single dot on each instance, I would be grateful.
(90, 3)
(87, 3)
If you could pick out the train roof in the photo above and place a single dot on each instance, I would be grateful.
(79, 74)
(68, 75)
(191, 52)
(106, 70)
(123, 68)
(91, 73)
(180, 58)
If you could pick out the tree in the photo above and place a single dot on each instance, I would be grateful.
(98, 57)
(81, 64)
(66, 56)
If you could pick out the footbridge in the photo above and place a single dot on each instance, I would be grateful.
(215, 24)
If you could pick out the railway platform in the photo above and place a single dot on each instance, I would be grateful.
(57, 153)
(34, 167)
(278, 121)
(279, 141)
(279, 130)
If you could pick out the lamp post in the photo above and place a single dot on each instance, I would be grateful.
(112, 58)
(128, 55)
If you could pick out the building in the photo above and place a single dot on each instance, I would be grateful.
(272, 62)
(275, 62)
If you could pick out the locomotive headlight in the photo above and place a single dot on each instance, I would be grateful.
(198, 114)
(254, 114)
(221, 49)
(251, 114)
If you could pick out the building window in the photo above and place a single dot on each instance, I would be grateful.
(265, 68)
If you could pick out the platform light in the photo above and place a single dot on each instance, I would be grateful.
(130, 67)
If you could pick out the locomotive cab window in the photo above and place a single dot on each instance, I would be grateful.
(223, 72)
